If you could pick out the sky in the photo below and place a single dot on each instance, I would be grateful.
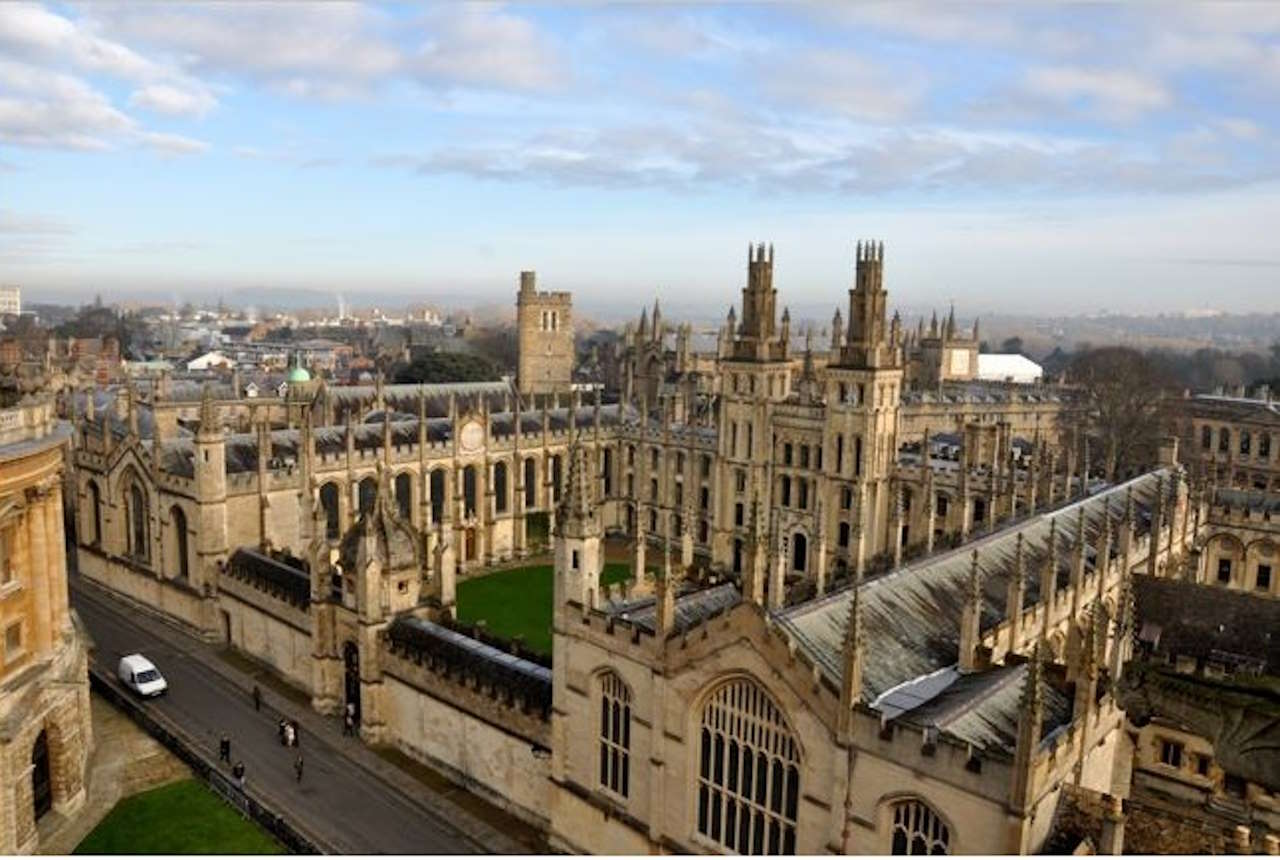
(1027, 158)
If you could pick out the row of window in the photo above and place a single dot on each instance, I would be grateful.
(1261, 574)
(1246, 440)
(748, 777)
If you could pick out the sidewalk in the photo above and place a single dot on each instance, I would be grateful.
(436, 797)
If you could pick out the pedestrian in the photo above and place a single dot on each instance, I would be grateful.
(348, 724)
(280, 726)
(224, 748)
(257, 698)
(288, 734)
(297, 768)
(238, 773)
(297, 734)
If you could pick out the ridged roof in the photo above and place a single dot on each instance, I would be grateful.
(912, 614)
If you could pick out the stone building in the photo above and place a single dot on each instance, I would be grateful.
(45, 729)
(544, 328)
(885, 618)
(942, 353)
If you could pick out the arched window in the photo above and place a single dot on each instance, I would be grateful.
(800, 552)
(404, 495)
(556, 478)
(437, 495)
(917, 829)
(615, 734)
(748, 772)
(786, 491)
(606, 476)
(137, 508)
(178, 519)
(95, 503)
(329, 501)
(469, 491)
(530, 484)
(500, 487)
(368, 493)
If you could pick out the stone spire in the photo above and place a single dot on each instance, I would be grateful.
(576, 502)
(1030, 726)
(208, 414)
(971, 619)
(851, 658)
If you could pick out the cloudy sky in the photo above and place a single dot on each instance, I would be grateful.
(1025, 158)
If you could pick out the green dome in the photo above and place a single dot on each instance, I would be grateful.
(298, 374)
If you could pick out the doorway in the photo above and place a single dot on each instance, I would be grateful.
(41, 776)
(351, 685)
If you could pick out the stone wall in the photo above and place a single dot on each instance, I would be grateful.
(486, 756)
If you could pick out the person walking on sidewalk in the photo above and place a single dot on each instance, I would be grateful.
(238, 773)
(297, 768)
(257, 698)
(224, 749)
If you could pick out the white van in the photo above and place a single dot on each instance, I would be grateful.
(140, 675)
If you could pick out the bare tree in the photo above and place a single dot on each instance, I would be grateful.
(1125, 400)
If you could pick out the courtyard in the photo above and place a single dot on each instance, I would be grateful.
(518, 601)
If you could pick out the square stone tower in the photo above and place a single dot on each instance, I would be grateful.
(544, 322)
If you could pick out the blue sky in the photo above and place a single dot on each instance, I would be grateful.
(1030, 158)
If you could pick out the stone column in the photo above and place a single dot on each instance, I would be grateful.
(37, 541)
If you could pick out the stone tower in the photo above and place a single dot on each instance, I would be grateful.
(754, 375)
(579, 551)
(212, 543)
(864, 389)
(544, 327)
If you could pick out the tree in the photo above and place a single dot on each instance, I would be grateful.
(1125, 401)
(1012, 344)
(445, 367)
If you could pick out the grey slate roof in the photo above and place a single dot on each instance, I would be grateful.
(691, 609)
(912, 614)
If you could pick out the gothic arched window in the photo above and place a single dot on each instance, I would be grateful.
(329, 502)
(615, 734)
(137, 507)
(500, 487)
(748, 772)
(95, 502)
(918, 829)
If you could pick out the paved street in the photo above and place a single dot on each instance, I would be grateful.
(349, 798)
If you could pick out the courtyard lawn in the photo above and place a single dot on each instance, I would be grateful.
(517, 602)
(179, 818)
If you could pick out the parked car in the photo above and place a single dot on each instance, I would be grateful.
(141, 675)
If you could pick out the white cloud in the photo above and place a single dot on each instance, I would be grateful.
(843, 82)
(325, 48)
(1109, 93)
(172, 101)
(172, 144)
(42, 108)
(481, 45)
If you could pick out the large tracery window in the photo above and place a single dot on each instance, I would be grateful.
(749, 772)
(615, 734)
(917, 829)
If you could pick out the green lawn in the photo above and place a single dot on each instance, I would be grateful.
(517, 602)
(179, 818)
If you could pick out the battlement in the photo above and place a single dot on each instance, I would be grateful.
(530, 294)
(759, 253)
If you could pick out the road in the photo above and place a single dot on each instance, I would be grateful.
(342, 804)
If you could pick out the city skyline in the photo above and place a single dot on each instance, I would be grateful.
(1118, 157)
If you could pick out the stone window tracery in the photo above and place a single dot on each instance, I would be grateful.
(748, 772)
(615, 734)
(918, 829)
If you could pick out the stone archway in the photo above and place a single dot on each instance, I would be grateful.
(799, 552)
(41, 776)
(351, 677)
